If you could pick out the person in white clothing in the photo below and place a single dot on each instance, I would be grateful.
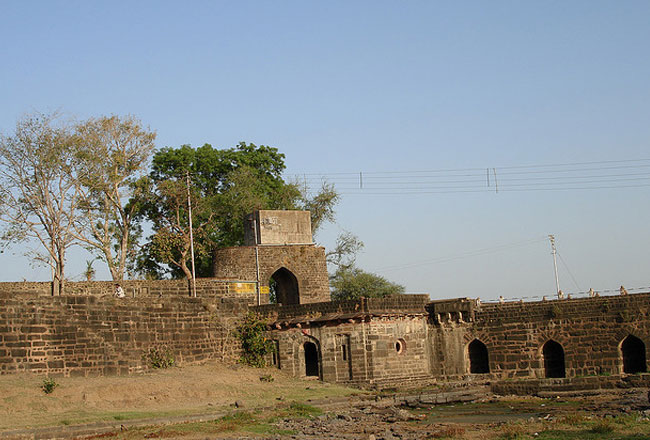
(119, 292)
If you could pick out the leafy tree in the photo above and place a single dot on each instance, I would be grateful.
(349, 283)
(164, 203)
(113, 153)
(39, 189)
(225, 185)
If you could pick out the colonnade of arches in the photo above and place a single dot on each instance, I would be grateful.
(632, 351)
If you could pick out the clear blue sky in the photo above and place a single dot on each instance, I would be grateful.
(373, 86)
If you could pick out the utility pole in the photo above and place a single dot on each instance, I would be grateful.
(554, 252)
(189, 208)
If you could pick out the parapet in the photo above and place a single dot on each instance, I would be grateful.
(266, 227)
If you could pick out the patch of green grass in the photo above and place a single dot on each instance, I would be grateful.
(297, 410)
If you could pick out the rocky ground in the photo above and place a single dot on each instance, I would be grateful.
(491, 417)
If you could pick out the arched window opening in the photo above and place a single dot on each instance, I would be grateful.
(553, 359)
(311, 359)
(633, 351)
(283, 287)
(478, 358)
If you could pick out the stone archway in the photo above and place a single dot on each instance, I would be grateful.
(633, 354)
(311, 359)
(553, 355)
(284, 285)
(478, 357)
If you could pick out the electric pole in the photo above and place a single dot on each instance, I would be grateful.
(554, 252)
(189, 208)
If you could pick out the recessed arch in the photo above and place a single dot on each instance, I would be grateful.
(285, 286)
(478, 357)
(553, 355)
(311, 359)
(633, 354)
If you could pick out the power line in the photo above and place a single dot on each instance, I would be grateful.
(567, 176)
(462, 255)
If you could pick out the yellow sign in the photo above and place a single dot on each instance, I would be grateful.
(264, 289)
(242, 287)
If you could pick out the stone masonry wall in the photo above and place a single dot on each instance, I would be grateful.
(590, 331)
(357, 340)
(306, 262)
(205, 287)
(87, 335)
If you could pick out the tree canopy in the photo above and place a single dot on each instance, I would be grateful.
(349, 283)
(39, 189)
(224, 185)
(112, 153)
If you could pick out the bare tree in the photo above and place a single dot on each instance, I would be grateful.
(39, 190)
(113, 153)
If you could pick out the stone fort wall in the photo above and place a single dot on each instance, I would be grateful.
(589, 330)
(89, 335)
(205, 287)
(398, 340)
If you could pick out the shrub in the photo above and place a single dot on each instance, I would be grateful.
(159, 357)
(255, 346)
(49, 385)
(602, 427)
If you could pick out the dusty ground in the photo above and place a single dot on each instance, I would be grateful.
(188, 390)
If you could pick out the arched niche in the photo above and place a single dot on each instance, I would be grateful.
(553, 355)
(478, 357)
(283, 287)
(633, 354)
(311, 359)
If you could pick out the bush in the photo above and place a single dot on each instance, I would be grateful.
(255, 346)
(159, 357)
(49, 385)
(602, 427)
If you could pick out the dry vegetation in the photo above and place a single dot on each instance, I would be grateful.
(209, 388)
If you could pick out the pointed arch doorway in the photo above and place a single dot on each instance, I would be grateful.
(284, 287)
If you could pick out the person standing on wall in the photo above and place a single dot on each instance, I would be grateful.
(119, 292)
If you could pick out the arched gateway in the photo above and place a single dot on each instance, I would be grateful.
(285, 286)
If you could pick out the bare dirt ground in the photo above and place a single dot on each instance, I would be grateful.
(172, 392)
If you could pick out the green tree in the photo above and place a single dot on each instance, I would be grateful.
(165, 204)
(39, 189)
(349, 283)
(113, 153)
(225, 185)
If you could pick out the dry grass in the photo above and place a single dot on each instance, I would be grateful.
(208, 388)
